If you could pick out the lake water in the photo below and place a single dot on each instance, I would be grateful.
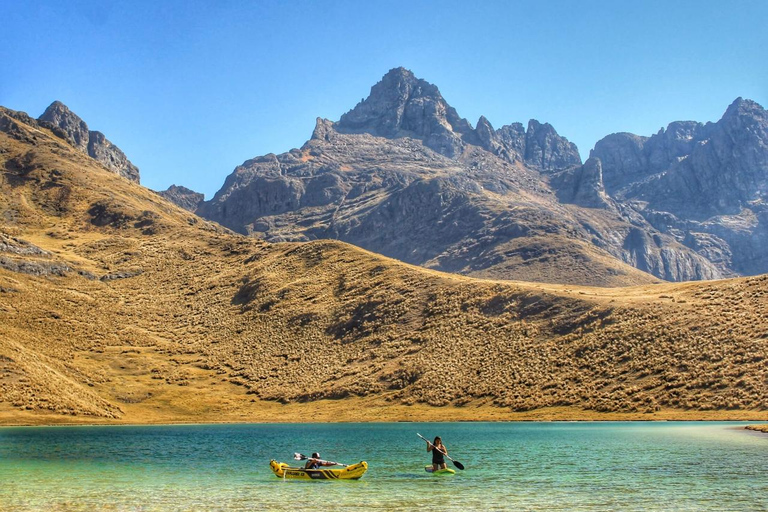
(509, 466)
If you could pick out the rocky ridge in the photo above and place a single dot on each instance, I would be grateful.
(704, 184)
(402, 174)
(401, 105)
(92, 143)
(183, 197)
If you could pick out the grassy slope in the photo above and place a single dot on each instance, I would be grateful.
(205, 325)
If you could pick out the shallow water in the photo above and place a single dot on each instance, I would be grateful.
(520, 466)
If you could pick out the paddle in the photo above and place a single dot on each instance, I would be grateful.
(455, 462)
(301, 456)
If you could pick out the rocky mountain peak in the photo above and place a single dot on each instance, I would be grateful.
(706, 184)
(741, 107)
(93, 143)
(401, 80)
(487, 135)
(184, 197)
(403, 105)
(59, 115)
(373, 179)
(731, 151)
(747, 121)
(383, 112)
(323, 130)
(547, 150)
(483, 122)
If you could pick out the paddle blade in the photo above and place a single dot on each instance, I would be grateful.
(299, 456)
(458, 464)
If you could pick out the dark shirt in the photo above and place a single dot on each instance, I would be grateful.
(437, 456)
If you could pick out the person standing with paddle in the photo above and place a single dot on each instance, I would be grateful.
(439, 451)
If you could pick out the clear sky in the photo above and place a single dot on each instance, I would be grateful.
(190, 89)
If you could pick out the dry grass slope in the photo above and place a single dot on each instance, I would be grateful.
(118, 306)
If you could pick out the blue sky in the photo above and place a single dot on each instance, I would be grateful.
(190, 89)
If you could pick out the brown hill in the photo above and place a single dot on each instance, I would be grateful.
(116, 305)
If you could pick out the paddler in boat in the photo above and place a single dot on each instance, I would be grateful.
(314, 462)
(438, 450)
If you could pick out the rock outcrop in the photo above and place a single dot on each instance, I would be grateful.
(539, 147)
(92, 143)
(704, 184)
(548, 151)
(582, 185)
(401, 105)
(629, 158)
(183, 197)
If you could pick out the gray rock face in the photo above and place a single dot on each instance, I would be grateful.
(403, 175)
(704, 184)
(399, 198)
(623, 160)
(629, 158)
(14, 245)
(92, 143)
(651, 253)
(401, 105)
(725, 170)
(59, 115)
(511, 138)
(183, 197)
(101, 149)
(582, 185)
(539, 147)
(34, 267)
(545, 149)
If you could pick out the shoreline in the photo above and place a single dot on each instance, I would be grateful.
(760, 429)
(359, 410)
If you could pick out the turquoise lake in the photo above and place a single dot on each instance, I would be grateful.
(509, 466)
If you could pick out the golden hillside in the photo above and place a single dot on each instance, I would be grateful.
(115, 305)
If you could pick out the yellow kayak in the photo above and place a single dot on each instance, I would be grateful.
(353, 472)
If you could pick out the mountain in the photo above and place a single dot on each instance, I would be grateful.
(706, 185)
(92, 143)
(118, 306)
(183, 197)
(401, 105)
(403, 175)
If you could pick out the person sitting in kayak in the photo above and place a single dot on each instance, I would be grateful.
(315, 462)
(438, 450)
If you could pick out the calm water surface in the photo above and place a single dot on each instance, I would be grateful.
(510, 466)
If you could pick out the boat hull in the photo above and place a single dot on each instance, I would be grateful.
(353, 472)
